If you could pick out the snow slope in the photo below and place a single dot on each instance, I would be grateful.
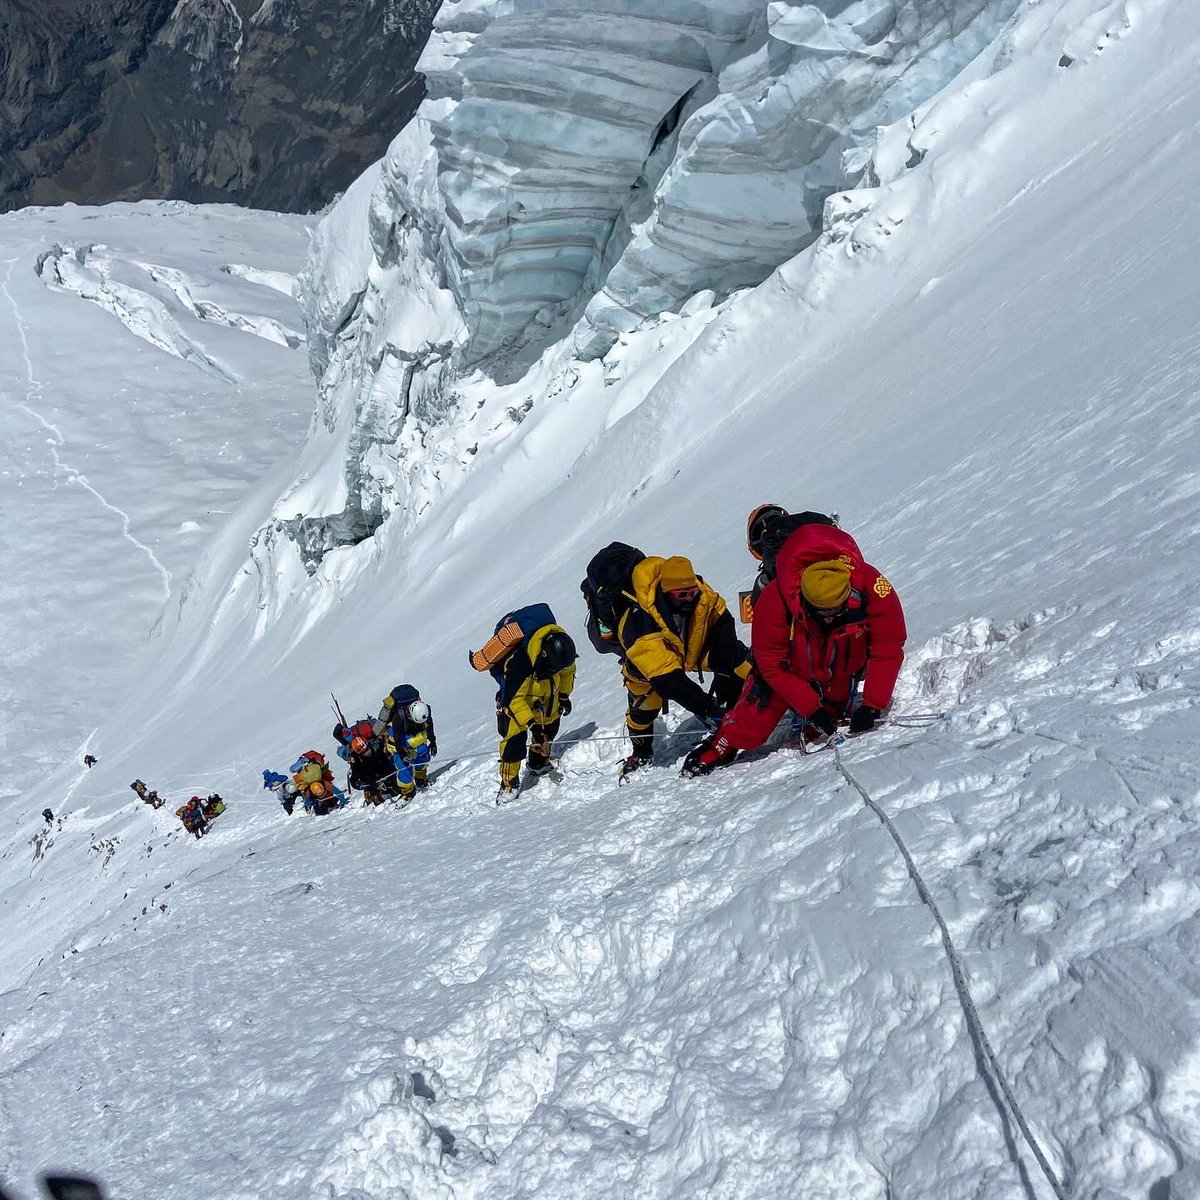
(725, 987)
(132, 425)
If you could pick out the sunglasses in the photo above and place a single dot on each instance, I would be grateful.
(684, 595)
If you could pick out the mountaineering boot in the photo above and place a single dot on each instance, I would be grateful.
(405, 792)
(643, 753)
(631, 764)
(510, 782)
(421, 775)
(712, 753)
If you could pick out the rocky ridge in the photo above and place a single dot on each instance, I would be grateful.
(275, 104)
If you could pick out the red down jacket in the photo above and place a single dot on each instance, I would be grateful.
(806, 662)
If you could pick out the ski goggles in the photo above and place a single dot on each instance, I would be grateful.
(829, 614)
(683, 595)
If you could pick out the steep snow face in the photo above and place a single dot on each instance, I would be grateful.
(724, 987)
(596, 145)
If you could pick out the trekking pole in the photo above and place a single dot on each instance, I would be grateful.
(337, 708)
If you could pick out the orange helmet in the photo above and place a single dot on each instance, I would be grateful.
(316, 789)
(756, 525)
(358, 745)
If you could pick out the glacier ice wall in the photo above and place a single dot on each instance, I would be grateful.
(582, 168)
(595, 152)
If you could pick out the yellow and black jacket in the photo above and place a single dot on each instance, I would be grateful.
(527, 700)
(659, 648)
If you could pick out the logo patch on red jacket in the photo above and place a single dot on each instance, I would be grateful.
(882, 588)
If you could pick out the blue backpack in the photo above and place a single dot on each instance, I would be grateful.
(531, 618)
(528, 620)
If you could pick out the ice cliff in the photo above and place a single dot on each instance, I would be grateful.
(580, 168)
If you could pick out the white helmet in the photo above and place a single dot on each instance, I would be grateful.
(418, 712)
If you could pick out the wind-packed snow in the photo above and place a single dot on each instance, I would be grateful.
(727, 987)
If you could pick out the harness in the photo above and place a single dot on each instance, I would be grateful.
(855, 613)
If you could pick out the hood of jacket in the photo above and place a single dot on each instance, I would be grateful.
(810, 544)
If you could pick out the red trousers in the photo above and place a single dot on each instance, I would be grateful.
(748, 724)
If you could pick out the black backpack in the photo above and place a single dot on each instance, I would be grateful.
(607, 577)
(778, 532)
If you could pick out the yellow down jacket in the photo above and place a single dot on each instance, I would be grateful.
(651, 647)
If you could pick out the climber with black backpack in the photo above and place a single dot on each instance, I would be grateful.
(672, 624)
(371, 768)
(532, 659)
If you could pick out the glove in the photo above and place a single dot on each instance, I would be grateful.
(564, 705)
(823, 720)
(863, 719)
(433, 747)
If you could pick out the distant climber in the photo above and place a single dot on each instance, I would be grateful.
(89, 760)
(828, 623)
(146, 796)
(371, 768)
(675, 623)
(311, 782)
(532, 658)
(192, 815)
(47, 816)
(283, 788)
(405, 722)
(767, 528)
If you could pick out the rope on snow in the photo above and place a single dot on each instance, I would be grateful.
(985, 1055)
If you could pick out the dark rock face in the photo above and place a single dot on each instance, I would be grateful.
(277, 104)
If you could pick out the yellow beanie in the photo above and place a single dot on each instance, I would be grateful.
(826, 584)
(678, 572)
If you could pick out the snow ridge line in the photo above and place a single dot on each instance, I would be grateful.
(985, 1055)
(73, 476)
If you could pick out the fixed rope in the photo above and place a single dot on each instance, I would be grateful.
(985, 1055)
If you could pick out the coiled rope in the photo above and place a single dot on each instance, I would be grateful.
(985, 1056)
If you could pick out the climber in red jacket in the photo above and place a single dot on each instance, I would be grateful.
(827, 623)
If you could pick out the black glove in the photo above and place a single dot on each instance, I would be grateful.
(564, 705)
(864, 718)
(712, 716)
(824, 720)
(433, 747)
